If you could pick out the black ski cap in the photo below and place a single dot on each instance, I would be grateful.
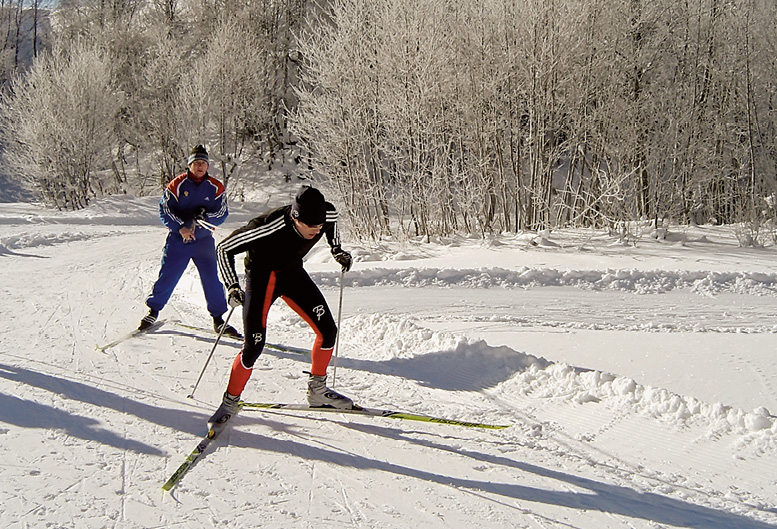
(309, 206)
(199, 152)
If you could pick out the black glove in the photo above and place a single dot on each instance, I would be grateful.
(201, 214)
(236, 296)
(343, 258)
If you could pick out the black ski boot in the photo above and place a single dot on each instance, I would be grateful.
(148, 320)
(229, 331)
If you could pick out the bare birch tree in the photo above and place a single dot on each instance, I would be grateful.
(56, 122)
(431, 117)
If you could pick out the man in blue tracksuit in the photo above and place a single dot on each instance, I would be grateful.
(190, 198)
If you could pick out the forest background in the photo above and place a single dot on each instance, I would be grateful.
(425, 117)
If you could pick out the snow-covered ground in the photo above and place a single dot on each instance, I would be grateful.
(638, 378)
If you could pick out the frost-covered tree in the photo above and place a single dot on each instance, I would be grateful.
(486, 115)
(57, 123)
(239, 74)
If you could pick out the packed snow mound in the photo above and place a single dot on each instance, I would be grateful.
(561, 381)
(36, 238)
(445, 360)
(637, 281)
(434, 359)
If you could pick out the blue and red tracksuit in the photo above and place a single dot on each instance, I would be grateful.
(182, 199)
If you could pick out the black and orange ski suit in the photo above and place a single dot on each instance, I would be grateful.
(274, 268)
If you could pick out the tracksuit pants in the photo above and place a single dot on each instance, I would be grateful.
(175, 259)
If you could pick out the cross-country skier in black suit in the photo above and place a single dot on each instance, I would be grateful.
(275, 244)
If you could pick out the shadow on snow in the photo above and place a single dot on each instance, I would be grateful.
(600, 496)
(29, 414)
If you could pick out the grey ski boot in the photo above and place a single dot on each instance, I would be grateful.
(229, 407)
(320, 396)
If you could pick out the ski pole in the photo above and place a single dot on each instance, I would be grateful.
(206, 225)
(223, 327)
(337, 339)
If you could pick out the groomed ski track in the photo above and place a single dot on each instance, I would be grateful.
(89, 437)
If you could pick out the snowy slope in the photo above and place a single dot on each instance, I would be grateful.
(638, 379)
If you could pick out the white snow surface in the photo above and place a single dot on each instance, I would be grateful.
(637, 376)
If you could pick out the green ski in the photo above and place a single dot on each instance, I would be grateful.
(371, 412)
